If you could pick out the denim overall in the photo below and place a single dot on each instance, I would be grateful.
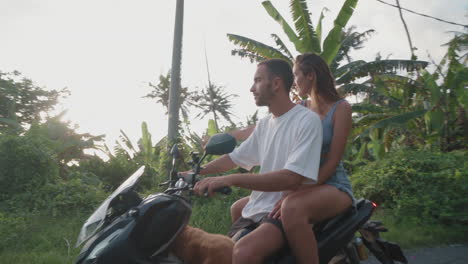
(340, 178)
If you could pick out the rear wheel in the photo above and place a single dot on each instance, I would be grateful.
(351, 254)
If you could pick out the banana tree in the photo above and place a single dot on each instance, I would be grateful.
(446, 96)
(334, 49)
(305, 37)
(427, 111)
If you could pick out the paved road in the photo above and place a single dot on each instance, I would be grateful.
(453, 254)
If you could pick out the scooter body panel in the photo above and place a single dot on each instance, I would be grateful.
(142, 232)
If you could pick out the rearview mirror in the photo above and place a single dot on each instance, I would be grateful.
(220, 144)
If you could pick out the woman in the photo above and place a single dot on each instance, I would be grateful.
(332, 192)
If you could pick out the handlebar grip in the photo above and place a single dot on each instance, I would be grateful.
(224, 190)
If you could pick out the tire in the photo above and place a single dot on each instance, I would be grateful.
(351, 254)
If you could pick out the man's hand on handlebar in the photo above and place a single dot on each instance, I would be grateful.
(210, 185)
(184, 174)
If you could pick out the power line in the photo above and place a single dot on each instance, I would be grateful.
(424, 15)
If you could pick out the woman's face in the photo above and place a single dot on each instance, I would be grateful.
(302, 82)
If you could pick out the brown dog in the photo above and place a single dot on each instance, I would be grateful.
(195, 246)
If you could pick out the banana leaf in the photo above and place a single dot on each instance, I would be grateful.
(332, 42)
(305, 30)
(273, 12)
(366, 108)
(352, 88)
(318, 29)
(380, 67)
(282, 47)
(243, 53)
(256, 47)
(399, 119)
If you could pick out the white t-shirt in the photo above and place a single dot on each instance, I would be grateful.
(291, 141)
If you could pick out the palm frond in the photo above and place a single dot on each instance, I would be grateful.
(332, 42)
(305, 30)
(273, 12)
(356, 39)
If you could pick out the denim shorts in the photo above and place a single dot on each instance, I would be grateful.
(341, 181)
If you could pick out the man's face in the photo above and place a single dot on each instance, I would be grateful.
(262, 88)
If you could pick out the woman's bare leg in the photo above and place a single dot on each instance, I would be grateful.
(300, 209)
(236, 208)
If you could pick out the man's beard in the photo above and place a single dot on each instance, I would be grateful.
(264, 99)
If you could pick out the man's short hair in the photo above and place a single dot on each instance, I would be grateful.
(280, 68)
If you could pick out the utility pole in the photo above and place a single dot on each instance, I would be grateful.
(174, 92)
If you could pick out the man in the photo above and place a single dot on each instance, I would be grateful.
(286, 144)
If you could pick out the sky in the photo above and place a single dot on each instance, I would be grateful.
(106, 52)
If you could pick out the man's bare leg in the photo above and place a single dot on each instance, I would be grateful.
(236, 208)
(257, 245)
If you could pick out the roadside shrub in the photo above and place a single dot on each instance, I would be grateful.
(26, 163)
(425, 185)
(112, 172)
(62, 197)
(69, 197)
(12, 229)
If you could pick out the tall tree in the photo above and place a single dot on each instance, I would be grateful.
(174, 93)
(22, 102)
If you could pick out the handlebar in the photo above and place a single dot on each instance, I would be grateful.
(186, 183)
(223, 190)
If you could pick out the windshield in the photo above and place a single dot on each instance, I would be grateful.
(96, 220)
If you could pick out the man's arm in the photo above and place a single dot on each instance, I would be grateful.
(219, 165)
(274, 181)
(243, 133)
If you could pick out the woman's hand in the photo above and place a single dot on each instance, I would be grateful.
(276, 213)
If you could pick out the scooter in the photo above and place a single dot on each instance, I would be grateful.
(126, 229)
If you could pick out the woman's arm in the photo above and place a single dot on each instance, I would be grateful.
(342, 123)
(243, 133)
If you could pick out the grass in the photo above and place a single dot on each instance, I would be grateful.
(43, 240)
(213, 215)
(411, 233)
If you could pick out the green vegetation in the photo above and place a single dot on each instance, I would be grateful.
(428, 186)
